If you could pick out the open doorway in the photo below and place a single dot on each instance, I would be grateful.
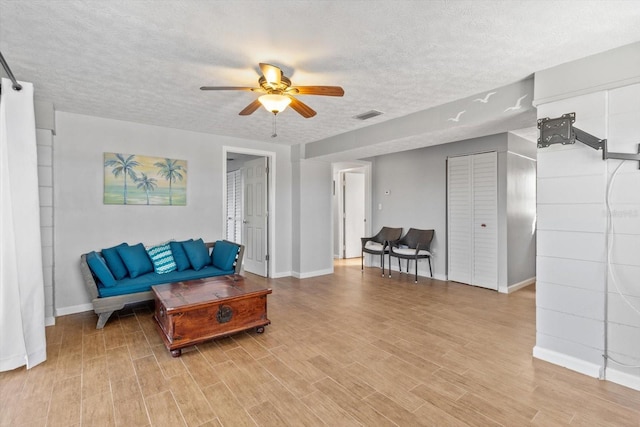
(351, 207)
(247, 200)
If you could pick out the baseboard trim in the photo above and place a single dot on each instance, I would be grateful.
(73, 309)
(49, 321)
(622, 378)
(309, 274)
(281, 274)
(566, 361)
(520, 285)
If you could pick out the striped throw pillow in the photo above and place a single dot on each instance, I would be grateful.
(162, 258)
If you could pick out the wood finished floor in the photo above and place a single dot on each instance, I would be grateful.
(346, 349)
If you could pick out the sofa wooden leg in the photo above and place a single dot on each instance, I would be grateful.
(102, 319)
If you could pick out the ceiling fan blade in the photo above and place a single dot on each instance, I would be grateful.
(303, 109)
(271, 73)
(319, 90)
(249, 109)
(226, 88)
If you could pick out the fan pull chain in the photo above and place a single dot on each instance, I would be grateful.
(275, 133)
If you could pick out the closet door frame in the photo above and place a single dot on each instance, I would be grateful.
(472, 219)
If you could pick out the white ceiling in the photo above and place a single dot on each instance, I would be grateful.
(144, 61)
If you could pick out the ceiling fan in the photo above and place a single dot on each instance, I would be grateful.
(278, 93)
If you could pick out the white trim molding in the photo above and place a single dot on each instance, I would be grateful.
(73, 309)
(569, 362)
(520, 285)
(622, 378)
(309, 274)
(271, 183)
(281, 274)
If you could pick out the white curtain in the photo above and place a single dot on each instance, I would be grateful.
(22, 327)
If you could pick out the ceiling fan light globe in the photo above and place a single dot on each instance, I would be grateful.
(274, 103)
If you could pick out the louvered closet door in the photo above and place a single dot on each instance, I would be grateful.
(485, 220)
(459, 218)
(234, 206)
(472, 199)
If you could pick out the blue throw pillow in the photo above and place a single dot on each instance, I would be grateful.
(179, 255)
(114, 262)
(224, 254)
(162, 258)
(99, 267)
(136, 259)
(197, 253)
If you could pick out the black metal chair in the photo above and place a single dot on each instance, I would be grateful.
(379, 244)
(415, 245)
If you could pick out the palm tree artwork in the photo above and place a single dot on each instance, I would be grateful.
(125, 167)
(147, 184)
(133, 179)
(170, 170)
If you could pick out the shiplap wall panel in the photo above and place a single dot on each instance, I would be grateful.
(624, 274)
(624, 100)
(585, 302)
(570, 272)
(568, 160)
(44, 146)
(590, 106)
(572, 189)
(570, 217)
(623, 341)
(624, 313)
(564, 346)
(578, 245)
(572, 175)
(582, 330)
(573, 310)
(626, 280)
(627, 179)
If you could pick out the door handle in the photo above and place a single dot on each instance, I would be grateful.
(244, 221)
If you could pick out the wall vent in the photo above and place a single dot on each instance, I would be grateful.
(368, 115)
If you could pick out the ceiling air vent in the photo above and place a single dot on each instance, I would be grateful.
(368, 115)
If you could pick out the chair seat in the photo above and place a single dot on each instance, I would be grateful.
(377, 245)
(373, 246)
(410, 252)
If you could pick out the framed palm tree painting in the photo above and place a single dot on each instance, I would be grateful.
(131, 179)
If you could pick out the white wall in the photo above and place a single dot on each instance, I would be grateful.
(44, 144)
(336, 191)
(521, 211)
(83, 223)
(580, 313)
(312, 240)
(417, 192)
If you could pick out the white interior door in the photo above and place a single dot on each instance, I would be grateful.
(354, 215)
(485, 220)
(254, 233)
(472, 218)
(234, 206)
(459, 218)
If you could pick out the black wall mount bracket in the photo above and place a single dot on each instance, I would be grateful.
(561, 131)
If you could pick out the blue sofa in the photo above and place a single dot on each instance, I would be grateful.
(123, 274)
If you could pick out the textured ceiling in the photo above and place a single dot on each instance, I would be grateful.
(144, 61)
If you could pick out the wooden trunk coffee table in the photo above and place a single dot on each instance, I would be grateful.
(194, 311)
